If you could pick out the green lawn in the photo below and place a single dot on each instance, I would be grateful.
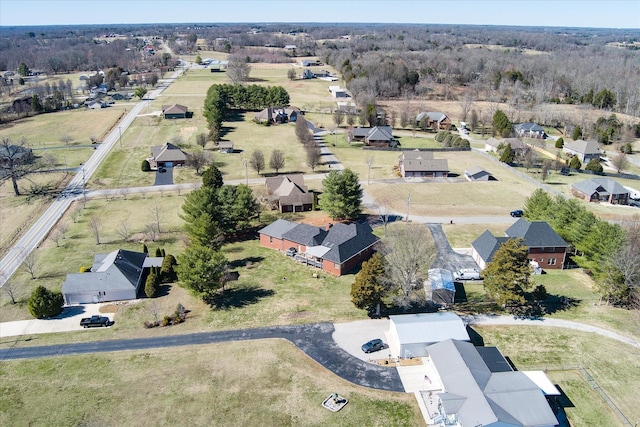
(267, 382)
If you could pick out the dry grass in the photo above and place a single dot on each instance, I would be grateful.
(267, 382)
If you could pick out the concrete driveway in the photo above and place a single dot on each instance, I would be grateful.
(68, 320)
(350, 337)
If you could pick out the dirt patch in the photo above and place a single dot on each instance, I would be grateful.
(186, 132)
(391, 362)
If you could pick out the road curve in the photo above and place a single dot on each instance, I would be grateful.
(313, 339)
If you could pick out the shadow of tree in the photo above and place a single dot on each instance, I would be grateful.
(243, 262)
(238, 297)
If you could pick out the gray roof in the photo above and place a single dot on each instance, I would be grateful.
(306, 234)
(529, 127)
(582, 147)
(437, 116)
(347, 240)
(168, 153)
(429, 327)
(602, 186)
(423, 161)
(174, 109)
(278, 228)
(487, 244)
(481, 397)
(376, 133)
(475, 172)
(118, 270)
(536, 234)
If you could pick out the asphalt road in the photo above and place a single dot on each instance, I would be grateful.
(314, 339)
(446, 257)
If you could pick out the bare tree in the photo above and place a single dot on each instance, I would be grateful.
(198, 160)
(201, 139)
(66, 139)
(156, 215)
(256, 161)
(151, 232)
(95, 227)
(31, 264)
(338, 117)
(75, 213)
(408, 250)
(313, 157)
(620, 162)
(17, 161)
(63, 228)
(238, 69)
(154, 310)
(276, 161)
(466, 104)
(56, 235)
(10, 289)
(124, 230)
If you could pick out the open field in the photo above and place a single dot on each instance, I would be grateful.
(461, 235)
(613, 366)
(267, 382)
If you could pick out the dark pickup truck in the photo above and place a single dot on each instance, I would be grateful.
(96, 321)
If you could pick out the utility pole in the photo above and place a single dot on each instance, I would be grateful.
(246, 171)
(408, 205)
(369, 163)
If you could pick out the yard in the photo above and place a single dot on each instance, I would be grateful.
(267, 382)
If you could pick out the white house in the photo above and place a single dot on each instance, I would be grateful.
(410, 334)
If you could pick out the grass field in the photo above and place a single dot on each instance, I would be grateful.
(267, 382)
(613, 366)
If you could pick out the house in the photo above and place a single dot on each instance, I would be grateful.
(225, 147)
(338, 92)
(121, 96)
(175, 111)
(476, 173)
(167, 155)
(543, 244)
(436, 120)
(601, 190)
(278, 115)
(377, 136)
(477, 387)
(290, 47)
(310, 63)
(529, 130)
(495, 145)
(347, 107)
(410, 334)
(440, 288)
(113, 277)
(95, 105)
(336, 250)
(584, 150)
(422, 164)
(289, 193)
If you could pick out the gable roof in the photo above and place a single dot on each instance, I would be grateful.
(422, 161)
(174, 109)
(535, 234)
(347, 240)
(583, 147)
(602, 186)
(376, 133)
(289, 189)
(481, 397)
(428, 327)
(487, 244)
(305, 234)
(115, 271)
(168, 153)
(529, 127)
(278, 228)
(437, 116)
(475, 172)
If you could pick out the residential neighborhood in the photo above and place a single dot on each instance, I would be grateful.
(353, 224)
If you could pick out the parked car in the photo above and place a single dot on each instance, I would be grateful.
(291, 252)
(373, 345)
(517, 213)
(635, 204)
(96, 321)
(467, 274)
(162, 170)
(565, 171)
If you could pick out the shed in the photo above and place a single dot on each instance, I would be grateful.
(410, 334)
(441, 289)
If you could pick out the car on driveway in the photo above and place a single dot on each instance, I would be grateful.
(373, 345)
(517, 213)
(96, 321)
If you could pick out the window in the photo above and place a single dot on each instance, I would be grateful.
(552, 261)
(336, 266)
(270, 239)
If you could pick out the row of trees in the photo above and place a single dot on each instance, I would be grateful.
(609, 252)
(212, 213)
(223, 97)
(313, 153)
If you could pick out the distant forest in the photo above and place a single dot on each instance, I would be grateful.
(517, 65)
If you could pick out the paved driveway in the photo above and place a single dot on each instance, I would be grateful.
(350, 336)
(446, 257)
(68, 320)
(164, 178)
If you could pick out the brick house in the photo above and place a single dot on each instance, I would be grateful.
(335, 250)
(422, 164)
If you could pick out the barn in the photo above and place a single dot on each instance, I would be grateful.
(410, 334)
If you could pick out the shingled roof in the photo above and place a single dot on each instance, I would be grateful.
(536, 234)
(487, 244)
(602, 186)
(168, 153)
(422, 161)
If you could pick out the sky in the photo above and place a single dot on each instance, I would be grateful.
(561, 13)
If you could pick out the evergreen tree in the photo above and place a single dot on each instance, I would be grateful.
(560, 142)
(145, 249)
(342, 194)
(507, 155)
(201, 214)
(167, 272)
(506, 278)
(594, 165)
(575, 163)
(151, 285)
(45, 303)
(201, 270)
(158, 252)
(538, 205)
(577, 133)
(212, 177)
(368, 291)
(501, 122)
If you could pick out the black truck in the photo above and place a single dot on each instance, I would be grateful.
(95, 321)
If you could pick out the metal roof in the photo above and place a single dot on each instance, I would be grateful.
(428, 327)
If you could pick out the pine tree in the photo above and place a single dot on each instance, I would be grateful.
(151, 285)
(342, 195)
(368, 291)
(506, 278)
